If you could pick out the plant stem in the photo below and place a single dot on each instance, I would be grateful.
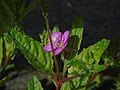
(70, 78)
(58, 82)
(94, 75)
(55, 60)
(64, 68)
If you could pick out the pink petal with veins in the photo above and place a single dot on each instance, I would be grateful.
(48, 47)
(56, 35)
(65, 36)
(59, 50)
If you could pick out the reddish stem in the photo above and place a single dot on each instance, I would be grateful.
(91, 79)
(58, 84)
(69, 78)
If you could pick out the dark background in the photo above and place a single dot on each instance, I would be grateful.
(101, 20)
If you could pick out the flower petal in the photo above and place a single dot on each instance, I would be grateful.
(59, 50)
(65, 36)
(56, 35)
(48, 47)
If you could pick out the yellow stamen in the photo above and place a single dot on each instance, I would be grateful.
(60, 45)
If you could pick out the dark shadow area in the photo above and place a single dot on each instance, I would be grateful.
(46, 86)
(72, 47)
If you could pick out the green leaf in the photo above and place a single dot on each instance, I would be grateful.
(87, 62)
(34, 84)
(66, 86)
(78, 64)
(75, 84)
(91, 55)
(1, 51)
(33, 51)
(80, 82)
(9, 47)
(75, 38)
(98, 68)
(55, 29)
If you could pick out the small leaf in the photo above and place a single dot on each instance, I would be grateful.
(33, 51)
(55, 29)
(34, 84)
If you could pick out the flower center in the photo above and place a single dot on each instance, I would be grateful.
(57, 42)
(60, 45)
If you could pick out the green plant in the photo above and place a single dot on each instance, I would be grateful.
(11, 13)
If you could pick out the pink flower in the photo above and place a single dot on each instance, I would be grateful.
(59, 42)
